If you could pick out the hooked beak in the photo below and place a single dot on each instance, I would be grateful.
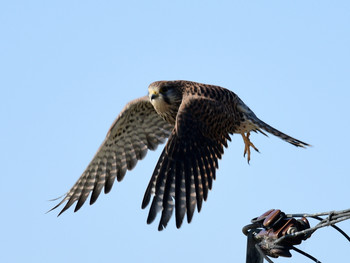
(153, 96)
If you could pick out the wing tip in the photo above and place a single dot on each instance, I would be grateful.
(162, 226)
(56, 206)
(146, 200)
(300, 144)
(178, 222)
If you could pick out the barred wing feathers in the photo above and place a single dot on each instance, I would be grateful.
(137, 129)
(186, 168)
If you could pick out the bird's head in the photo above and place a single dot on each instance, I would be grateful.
(166, 97)
(165, 92)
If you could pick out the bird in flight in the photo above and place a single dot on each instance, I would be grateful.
(197, 119)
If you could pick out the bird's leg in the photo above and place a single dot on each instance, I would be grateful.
(247, 144)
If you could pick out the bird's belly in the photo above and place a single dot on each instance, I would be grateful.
(245, 126)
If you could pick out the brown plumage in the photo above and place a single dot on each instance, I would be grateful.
(197, 119)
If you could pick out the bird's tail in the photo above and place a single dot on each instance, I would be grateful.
(283, 136)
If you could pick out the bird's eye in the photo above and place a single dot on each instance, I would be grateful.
(164, 89)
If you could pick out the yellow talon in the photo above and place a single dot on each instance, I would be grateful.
(247, 145)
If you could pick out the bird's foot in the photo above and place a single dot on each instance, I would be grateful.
(247, 145)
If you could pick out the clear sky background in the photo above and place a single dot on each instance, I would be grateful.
(67, 68)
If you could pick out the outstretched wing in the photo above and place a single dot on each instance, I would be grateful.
(186, 168)
(137, 129)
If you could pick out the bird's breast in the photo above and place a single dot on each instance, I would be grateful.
(165, 110)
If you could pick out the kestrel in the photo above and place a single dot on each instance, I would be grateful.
(198, 120)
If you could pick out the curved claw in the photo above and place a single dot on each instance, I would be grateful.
(247, 145)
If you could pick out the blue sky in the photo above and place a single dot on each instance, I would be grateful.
(67, 68)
